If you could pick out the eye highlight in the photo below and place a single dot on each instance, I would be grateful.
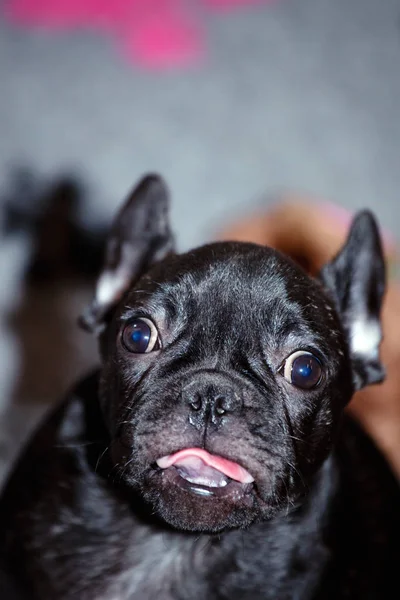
(303, 370)
(140, 336)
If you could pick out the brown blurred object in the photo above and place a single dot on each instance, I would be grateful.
(311, 233)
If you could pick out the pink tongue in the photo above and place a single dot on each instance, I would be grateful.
(184, 458)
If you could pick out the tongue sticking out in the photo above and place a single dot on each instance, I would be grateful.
(199, 466)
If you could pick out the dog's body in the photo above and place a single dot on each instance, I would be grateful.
(209, 458)
(72, 536)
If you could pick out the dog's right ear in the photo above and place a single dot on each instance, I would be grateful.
(140, 236)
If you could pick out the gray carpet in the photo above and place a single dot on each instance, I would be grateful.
(302, 95)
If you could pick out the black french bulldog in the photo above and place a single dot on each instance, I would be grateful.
(209, 458)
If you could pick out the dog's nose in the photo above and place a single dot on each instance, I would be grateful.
(210, 401)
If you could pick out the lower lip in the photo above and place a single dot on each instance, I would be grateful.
(233, 489)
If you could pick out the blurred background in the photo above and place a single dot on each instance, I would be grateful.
(235, 102)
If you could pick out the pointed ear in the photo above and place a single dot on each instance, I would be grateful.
(140, 236)
(356, 280)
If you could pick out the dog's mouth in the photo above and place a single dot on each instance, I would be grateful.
(205, 474)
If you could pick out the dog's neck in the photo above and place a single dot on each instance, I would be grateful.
(304, 526)
(194, 561)
(206, 558)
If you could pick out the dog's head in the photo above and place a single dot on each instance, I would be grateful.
(226, 369)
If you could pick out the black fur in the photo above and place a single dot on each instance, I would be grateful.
(49, 214)
(88, 514)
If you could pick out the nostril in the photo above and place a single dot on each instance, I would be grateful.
(209, 400)
(220, 405)
(196, 403)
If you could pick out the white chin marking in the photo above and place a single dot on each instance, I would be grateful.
(365, 337)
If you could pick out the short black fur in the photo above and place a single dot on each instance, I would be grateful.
(88, 512)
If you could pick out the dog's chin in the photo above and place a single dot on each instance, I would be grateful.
(201, 508)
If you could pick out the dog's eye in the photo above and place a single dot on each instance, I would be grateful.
(140, 336)
(303, 370)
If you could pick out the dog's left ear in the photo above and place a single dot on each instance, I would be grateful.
(356, 280)
(140, 236)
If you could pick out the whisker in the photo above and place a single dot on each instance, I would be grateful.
(282, 479)
(298, 474)
(101, 456)
(126, 466)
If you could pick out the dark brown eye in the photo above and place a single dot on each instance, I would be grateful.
(140, 336)
(303, 369)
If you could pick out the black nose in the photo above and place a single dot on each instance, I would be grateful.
(210, 398)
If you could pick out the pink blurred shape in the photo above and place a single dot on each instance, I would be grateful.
(156, 33)
(164, 41)
(228, 4)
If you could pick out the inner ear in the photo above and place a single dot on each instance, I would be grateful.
(139, 237)
(355, 279)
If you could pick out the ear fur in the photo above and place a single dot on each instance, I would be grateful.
(355, 279)
(139, 237)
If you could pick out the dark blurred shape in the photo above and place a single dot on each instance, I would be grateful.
(50, 216)
(63, 260)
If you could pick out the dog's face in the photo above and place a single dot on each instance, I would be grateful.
(226, 369)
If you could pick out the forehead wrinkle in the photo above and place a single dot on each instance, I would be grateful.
(233, 282)
(223, 286)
